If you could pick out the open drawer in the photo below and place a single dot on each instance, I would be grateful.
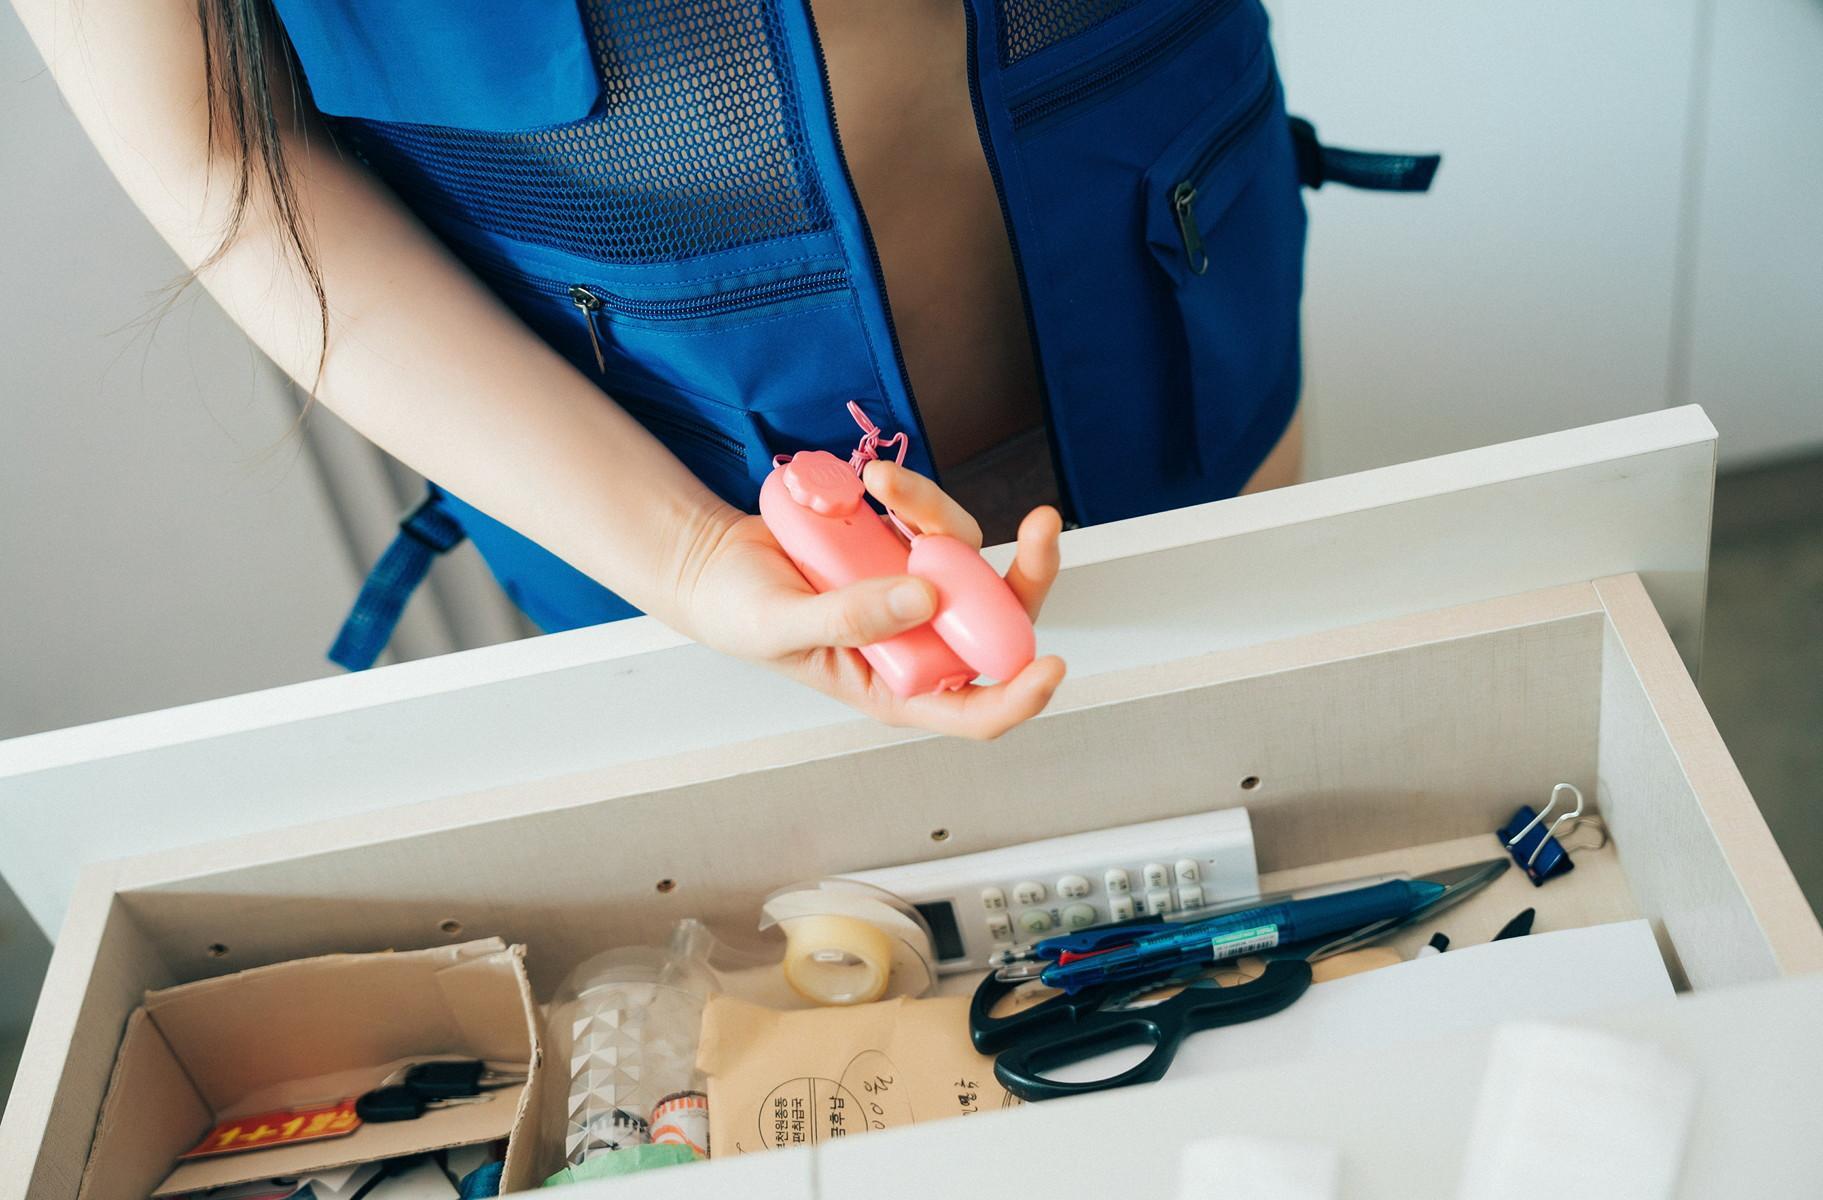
(1397, 742)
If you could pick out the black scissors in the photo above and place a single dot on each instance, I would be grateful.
(1066, 1029)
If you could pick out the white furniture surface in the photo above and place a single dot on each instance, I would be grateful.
(1629, 495)
(1400, 1116)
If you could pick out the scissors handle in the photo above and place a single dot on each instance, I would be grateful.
(1021, 1068)
(992, 1034)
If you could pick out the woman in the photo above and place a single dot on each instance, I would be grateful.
(590, 267)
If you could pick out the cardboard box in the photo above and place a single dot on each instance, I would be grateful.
(304, 1032)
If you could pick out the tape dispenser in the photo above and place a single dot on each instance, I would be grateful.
(850, 943)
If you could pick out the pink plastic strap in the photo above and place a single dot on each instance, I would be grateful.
(869, 449)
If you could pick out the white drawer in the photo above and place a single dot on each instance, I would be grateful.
(1628, 495)
(1407, 739)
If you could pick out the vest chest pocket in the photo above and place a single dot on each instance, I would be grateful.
(496, 65)
(1225, 224)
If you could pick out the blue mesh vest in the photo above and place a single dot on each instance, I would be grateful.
(657, 189)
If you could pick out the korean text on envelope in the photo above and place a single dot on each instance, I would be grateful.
(779, 1079)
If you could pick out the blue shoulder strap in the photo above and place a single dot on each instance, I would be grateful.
(427, 531)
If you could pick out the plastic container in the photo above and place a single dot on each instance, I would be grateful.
(626, 1024)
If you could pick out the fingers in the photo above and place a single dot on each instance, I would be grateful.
(984, 713)
(1036, 559)
(857, 615)
(920, 502)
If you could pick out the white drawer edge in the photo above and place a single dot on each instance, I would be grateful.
(1629, 495)
(784, 750)
(1316, 500)
(1752, 856)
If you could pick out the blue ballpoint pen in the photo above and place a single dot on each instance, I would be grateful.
(1155, 950)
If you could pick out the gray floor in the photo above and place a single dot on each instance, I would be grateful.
(1762, 679)
(1763, 649)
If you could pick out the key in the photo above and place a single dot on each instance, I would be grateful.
(442, 1080)
(400, 1103)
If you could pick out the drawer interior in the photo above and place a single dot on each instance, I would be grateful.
(1397, 745)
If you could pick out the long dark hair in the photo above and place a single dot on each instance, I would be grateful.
(242, 40)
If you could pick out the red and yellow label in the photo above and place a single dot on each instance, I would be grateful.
(279, 1128)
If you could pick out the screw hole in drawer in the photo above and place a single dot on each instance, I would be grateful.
(1249, 783)
(939, 835)
(451, 926)
(667, 885)
(217, 950)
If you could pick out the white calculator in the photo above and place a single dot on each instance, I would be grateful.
(976, 904)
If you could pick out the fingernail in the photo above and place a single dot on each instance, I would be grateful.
(908, 600)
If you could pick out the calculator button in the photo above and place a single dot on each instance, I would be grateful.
(1029, 892)
(993, 899)
(1078, 916)
(1117, 883)
(1158, 902)
(1157, 875)
(1035, 920)
(1189, 895)
(1120, 908)
(1072, 887)
(1189, 871)
(1000, 927)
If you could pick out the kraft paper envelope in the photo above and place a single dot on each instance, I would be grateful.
(779, 1079)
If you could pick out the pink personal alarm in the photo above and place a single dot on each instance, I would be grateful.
(816, 506)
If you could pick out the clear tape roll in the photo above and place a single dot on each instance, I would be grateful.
(849, 943)
(837, 960)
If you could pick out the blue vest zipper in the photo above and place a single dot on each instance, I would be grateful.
(867, 235)
(1183, 196)
(710, 304)
(973, 26)
(592, 301)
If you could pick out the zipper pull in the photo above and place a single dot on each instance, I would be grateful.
(588, 304)
(1183, 207)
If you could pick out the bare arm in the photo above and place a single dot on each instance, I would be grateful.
(429, 364)
(422, 358)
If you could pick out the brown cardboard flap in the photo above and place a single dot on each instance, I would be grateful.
(303, 1032)
(137, 1133)
(242, 1034)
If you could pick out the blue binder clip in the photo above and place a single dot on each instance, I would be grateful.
(1535, 848)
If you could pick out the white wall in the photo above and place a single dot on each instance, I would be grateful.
(1754, 355)
(166, 535)
(161, 539)
(1531, 289)
(1626, 219)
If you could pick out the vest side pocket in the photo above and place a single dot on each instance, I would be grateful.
(1225, 224)
(498, 66)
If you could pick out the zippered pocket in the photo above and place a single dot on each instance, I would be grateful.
(1208, 165)
(1216, 172)
(1128, 60)
(593, 303)
(691, 436)
(1225, 223)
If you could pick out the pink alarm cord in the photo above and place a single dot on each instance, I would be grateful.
(866, 452)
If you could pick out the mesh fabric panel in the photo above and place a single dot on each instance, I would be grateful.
(1028, 26)
(696, 146)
